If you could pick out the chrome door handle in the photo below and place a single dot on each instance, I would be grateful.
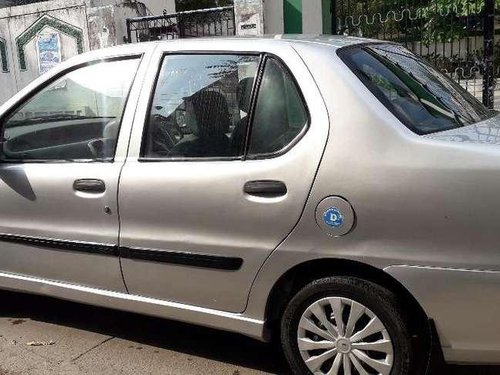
(89, 185)
(265, 188)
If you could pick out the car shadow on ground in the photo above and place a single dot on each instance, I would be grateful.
(184, 338)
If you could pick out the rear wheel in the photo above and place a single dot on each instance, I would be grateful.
(346, 326)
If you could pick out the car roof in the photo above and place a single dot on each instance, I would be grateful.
(334, 41)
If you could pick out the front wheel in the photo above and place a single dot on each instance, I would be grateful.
(346, 326)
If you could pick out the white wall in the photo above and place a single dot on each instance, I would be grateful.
(273, 17)
(101, 22)
(14, 22)
(156, 6)
(107, 22)
(249, 17)
(8, 85)
(312, 17)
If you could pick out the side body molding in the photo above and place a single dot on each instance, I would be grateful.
(158, 256)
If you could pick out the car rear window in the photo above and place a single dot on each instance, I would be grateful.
(421, 97)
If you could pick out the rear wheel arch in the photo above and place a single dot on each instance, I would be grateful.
(302, 274)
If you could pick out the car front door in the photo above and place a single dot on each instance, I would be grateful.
(59, 176)
(201, 207)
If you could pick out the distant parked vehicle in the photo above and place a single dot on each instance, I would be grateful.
(335, 193)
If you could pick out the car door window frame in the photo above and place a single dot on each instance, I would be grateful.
(250, 124)
(152, 93)
(25, 99)
(263, 58)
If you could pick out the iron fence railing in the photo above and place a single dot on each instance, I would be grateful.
(460, 37)
(191, 24)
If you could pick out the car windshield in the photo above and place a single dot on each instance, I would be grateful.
(421, 97)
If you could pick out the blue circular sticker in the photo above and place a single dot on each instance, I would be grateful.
(333, 217)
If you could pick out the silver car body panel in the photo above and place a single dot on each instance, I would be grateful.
(195, 217)
(38, 201)
(463, 302)
(407, 192)
(426, 209)
(487, 132)
(30, 192)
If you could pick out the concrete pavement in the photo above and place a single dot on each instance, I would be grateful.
(81, 339)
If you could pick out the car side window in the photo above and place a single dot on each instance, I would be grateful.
(200, 107)
(280, 113)
(76, 117)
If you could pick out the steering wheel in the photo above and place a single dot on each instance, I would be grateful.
(166, 133)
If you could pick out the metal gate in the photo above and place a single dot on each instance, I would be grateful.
(191, 24)
(458, 36)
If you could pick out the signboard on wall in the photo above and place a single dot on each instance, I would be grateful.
(250, 25)
(48, 47)
(249, 16)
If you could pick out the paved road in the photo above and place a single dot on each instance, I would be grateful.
(90, 340)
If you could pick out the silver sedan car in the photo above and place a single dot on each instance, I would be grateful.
(337, 194)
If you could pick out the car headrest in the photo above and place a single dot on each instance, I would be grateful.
(212, 114)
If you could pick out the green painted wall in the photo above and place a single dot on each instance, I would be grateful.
(292, 14)
(327, 16)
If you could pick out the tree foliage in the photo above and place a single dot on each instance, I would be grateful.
(450, 31)
(428, 21)
(448, 20)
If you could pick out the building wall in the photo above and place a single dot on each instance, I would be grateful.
(297, 16)
(312, 17)
(292, 16)
(273, 17)
(157, 6)
(326, 7)
(8, 85)
(21, 26)
(249, 17)
(106, 21)
(80, 25)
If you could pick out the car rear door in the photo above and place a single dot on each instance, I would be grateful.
(63, 150)
(203, 199)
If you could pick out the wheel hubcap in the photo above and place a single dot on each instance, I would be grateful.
(341, 336)
(343, 346)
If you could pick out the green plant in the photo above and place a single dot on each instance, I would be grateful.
(426, 21)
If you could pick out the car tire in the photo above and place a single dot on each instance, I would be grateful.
(373, 308)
